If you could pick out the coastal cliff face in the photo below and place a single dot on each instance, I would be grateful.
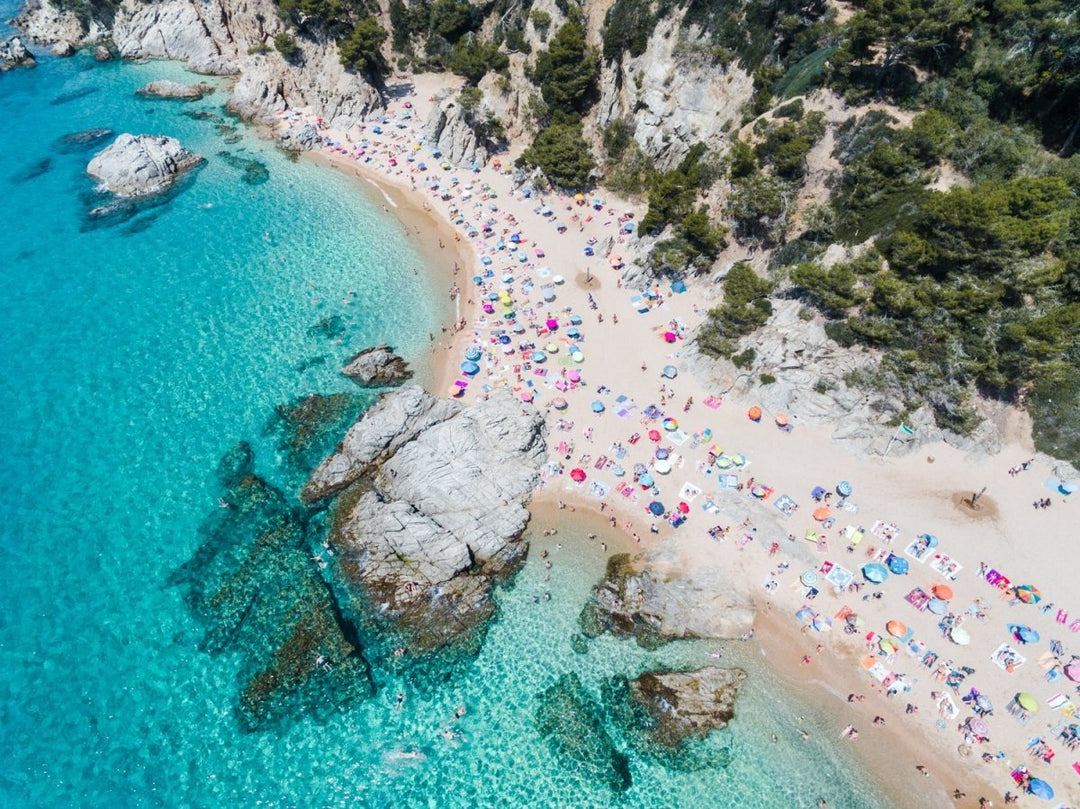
(220, 37)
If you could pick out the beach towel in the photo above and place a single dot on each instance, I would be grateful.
(945, 565)
(728, 481)
(710, 507)
(854, 535)
(844, 613)
(1006, 658)
(786, 505)
(917, 598)
(598, 490)
(840, 576)
(688, 492)
(712, 402)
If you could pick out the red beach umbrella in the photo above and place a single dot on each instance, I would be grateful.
(577, 475)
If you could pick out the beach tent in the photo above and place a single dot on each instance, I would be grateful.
(875, 573)
(656, 508)
(1072, 671)
(1040, 789)
(678, 287)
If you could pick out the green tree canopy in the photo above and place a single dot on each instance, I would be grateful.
(567, 71)
(562, 153)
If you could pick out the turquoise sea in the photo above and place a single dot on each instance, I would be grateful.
(137, 350)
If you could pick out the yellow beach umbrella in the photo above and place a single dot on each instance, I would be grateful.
(1027, 702)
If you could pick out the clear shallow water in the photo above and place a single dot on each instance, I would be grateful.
(133, 356)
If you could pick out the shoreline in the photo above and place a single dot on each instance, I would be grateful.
(924, 495)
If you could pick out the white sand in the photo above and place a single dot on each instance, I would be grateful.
(1028, 545)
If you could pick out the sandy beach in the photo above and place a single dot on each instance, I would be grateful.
(910, 656)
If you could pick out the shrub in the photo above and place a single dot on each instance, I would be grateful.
(567, 71)
(561, 152)
(285, 44)
(360, 50)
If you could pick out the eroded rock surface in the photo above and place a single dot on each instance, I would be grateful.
(165, 88)
(688, 704)
(377, 367)
(14, 54)
(138, 165)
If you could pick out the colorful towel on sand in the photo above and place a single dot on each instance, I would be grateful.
(688, 492)
(945, 565)
(840, 576)
(786, 504)
(713, 402)
(1007, 658)
(917, 598)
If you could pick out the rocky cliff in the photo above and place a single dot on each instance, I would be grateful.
(222, 37)
(14, 54)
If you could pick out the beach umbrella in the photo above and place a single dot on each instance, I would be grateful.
(1027, 702)
(671, 425)
(843, 488)
(656, 508)
(684, 507)
(1072, 671)
(455, 391)
(897, 628)
(889, 646)
(978, 727)
(959, 636)
(754, 413)
(574, 375)
(575, 320)
(597, 406)
(539, 356)
(551, 323)
(527, 396)
(662, 453)
(646, 480)
(1040, 789)
(552, 348)
(558, 280)
(930, 539)
(875, 573)
(809, 578)
(1024, 634)
(640, 469)
(670, 337)
(759, 491)
(573, 333)
(984, 703)
(1029, 594)
(898, 565)
(670, 372)
(485, 260)
(723, 462)
(817, 492)
(504, 339)
(822, 514)
(559, 403)
(617, 471)
(473, 353)
(654, 435)
(577, 356)
(662, 467)
(937, 606)
(942, 591)
(470, 368)
(577, 475)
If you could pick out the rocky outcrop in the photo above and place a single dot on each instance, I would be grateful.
(138, 165)
(45, 23)
(377, 367)
(674, 94)
(443, 517)
(14, 54)
(653, 600)
(299, 137)
(63, 49)
(175, 29)
(164, 88)
(397, 419)
(102, 53)
(689, 704)
(448, 130)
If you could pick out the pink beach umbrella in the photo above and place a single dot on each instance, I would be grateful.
(574, 376)
(552, 323)
(670, 337)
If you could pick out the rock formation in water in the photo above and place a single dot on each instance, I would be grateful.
(253, 584)
(655, 601)
(688, 704)
(63, 48)
(436, 509)
(570, 719)
(377, 367)
(14, 54)
(165, 88)
(138, 165)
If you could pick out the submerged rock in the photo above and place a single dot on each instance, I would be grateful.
(254, 172)
(83, 141)
(254, 586)
(165, 88)
(377, 367)
(439, 518)
(655, 602)
(308, 427)
(688, 704)
(14, 54)
(569, 719)
(102, 54)
(138, 165)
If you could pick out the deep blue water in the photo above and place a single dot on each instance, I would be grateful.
(136, 352)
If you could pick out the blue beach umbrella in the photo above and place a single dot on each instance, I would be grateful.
(597, 406)
(470, 368)
(539, 356)
(1024, 634)
(670, 372)
(843, 488)
(937, 606)
(898, 565)
(656, 507)
(931, 540)
(1040, 789)
(472, 354)
(573, 333)
(875, 573)
(662, 453)
(645, 480)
